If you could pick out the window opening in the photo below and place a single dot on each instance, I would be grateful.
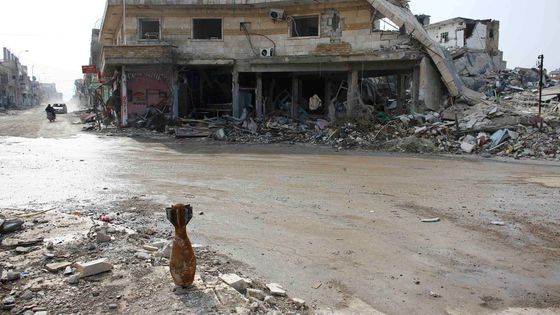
(209, 29)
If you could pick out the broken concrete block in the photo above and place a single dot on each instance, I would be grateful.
(93, 267)
(298, 302)
(257, 294)
(234, 281)
(10, 275)
(103, 237)
(73, 279)
(165, 251)
(228, 296)
(467, 147)
(142, 255)
(276, 289)
(55, 267)
(22, 250)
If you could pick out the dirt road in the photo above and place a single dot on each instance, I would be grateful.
(342, 230)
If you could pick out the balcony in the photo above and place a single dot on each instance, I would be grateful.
(147, 54)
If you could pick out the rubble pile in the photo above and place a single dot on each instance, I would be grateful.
(487, 128)
(70, 263)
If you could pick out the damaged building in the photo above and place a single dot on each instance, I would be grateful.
(196, 59)
(474, 47)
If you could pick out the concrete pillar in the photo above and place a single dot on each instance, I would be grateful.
(430, 91)
(328, 100)
(175, 87)
(124, 98)
(352, 93)
(259, 96)
(295, 96)
(401, 91)
(235, 93)
(415, 89)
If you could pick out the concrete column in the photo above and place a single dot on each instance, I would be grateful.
(328, 100)
(259, 96)
(124, 98)
(401, 91)
(235, 93)
(430, 87)
(352, 93)
(295, 96)
(175, 88)
(415, 89)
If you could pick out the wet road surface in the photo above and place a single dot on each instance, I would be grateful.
(347, 223)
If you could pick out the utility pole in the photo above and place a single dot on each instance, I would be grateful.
(541, 83)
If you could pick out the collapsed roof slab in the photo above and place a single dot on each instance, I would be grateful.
(397, 11)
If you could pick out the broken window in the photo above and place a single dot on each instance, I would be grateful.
(445, 37)
(383, 24)
(209, 29)
(149, 29)
(304, 26)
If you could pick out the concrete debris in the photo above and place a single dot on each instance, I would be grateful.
(234, 281)
(228, 296)
(218, 287)
(103, 237)
(10, 275)
(94, 267)
(8, 303)
(142, 255)
(10, 225)
(55, 267)
(299, 302)
(256, 293)
(73, 279)
(276, 289)
(68, 271)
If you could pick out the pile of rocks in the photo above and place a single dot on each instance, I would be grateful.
(92, 264)
(506, 129)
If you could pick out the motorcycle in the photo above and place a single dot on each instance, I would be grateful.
(50, 116)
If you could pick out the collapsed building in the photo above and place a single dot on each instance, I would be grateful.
(206, 58)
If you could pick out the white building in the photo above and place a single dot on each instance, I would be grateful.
(467, 33)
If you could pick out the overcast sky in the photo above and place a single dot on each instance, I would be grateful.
(57, 32)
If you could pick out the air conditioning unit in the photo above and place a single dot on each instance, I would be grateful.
(277, 14)
(267, 52)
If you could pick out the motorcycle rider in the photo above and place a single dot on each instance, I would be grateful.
(51, 110)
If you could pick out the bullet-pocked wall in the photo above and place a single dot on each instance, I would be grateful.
(243, 32)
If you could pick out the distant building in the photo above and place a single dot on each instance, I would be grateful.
(17, 89)
(467, 33)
